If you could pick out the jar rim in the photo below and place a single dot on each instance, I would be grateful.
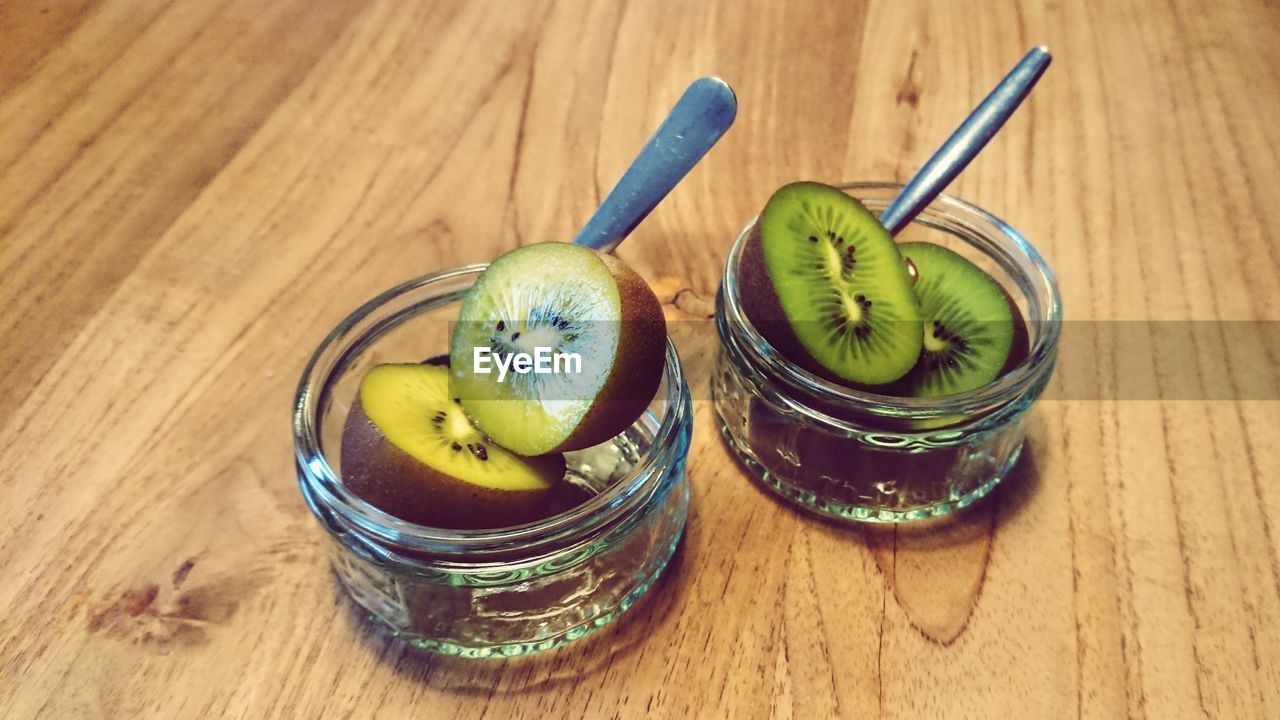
(320, 482)
(1017, 256)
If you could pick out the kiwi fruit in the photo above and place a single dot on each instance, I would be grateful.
(968, 324)
(565, 301)
(823, 282)
(410, 450)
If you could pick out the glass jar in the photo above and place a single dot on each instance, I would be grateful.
(860, 456)
(501, 592)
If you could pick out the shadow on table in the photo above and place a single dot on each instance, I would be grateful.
(936, 569)
(568, 665)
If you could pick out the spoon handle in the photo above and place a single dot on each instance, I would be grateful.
(967, 141)
(703, 114)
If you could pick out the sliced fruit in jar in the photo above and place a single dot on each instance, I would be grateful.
(557, 348)
(968, 324)
(409, 449)
(836, 278)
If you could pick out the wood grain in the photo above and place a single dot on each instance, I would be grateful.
(193, 193)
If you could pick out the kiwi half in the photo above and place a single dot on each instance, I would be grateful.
(833, 292)
(570, 301)
(409, 449)
(968, 324)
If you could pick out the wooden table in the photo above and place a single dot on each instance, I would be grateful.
(192, 193)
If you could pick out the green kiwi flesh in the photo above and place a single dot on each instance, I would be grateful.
(840, 283)
(969, 326)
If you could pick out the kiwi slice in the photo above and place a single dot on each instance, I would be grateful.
(583, 340)
(968, 323)
(409, 449)
(837, 279)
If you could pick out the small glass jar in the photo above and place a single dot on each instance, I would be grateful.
(860, 456)
(501, 592)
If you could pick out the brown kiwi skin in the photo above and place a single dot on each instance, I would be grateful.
(1020, 344)
(761, 306)
(395, 482)
(637, 368)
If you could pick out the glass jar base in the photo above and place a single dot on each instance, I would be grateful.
(827, 508)
(387, 628)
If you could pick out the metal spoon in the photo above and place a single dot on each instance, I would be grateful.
(699, 118)
(967, 141)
